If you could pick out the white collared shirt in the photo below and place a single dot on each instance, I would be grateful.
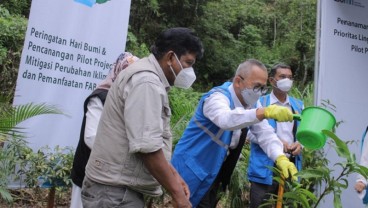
(284, 130)
(217, 108)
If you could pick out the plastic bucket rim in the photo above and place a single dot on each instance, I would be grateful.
(319, 108)
(322, 137)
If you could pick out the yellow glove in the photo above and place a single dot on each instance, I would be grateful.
(279, 113)
(284, 164)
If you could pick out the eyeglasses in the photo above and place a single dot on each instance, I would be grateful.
(258, 88)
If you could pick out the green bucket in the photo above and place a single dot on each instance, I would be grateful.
(313, 121)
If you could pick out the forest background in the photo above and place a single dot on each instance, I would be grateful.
(232, 31)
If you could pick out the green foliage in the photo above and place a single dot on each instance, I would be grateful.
(11, 116)
(237, 195)
(232, 31)
(138, 49)
(319, 174)
(13, 154)
(46, 167)
(182, 103)
(10, 156)
(270, 31)
(51, 167)
(306, 94)
(13, 28)
(17, 7)
(295, 195)
(315, 171)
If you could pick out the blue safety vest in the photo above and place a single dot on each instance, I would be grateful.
(202, 149)
(258, 169)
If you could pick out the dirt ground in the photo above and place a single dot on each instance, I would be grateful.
(37, 198)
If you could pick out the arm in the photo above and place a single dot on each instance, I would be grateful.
(160, 169)
(181, 182)
(93, 115)
(267, 139)
(217, 108)
(149, 134)
(251, 137)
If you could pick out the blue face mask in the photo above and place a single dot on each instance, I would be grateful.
(250, 97)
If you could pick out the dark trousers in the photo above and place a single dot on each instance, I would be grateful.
(210, 199)
(260, 193)
(96, 195)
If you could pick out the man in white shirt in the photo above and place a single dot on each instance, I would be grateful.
(259, 174)
(206, 154)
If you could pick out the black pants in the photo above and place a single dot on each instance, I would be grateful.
(210, 199)
(260, 193)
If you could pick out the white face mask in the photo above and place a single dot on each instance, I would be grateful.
(185, 78)
(250, 97)
(284, 84)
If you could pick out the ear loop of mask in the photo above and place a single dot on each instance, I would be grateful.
(172, 70)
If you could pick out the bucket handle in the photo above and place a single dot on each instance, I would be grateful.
(297, 117)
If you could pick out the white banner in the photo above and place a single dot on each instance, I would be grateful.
(69, 48)
(341, 78)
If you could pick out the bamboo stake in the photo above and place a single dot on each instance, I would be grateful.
(280, 193)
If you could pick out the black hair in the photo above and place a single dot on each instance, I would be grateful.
(180, 40)
(278, 66)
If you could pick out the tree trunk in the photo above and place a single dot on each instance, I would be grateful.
(305, 66)
(51, 198)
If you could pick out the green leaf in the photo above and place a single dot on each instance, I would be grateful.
(297, 197)
(309, 194)
(362, 170)
(337, 199)
(5, 194)
(12, 116)
(313, 173)
(341, 147)
(338, 185)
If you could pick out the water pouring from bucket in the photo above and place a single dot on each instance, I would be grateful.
(312, 121)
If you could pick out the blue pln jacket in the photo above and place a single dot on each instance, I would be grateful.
(202, 149)
(258, 170)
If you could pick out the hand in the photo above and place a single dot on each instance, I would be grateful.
(359, 186)
(295, 148)
(185, 187)
(181, 202)
(283, 163)
(181, 182)
(285, 145)
(279, 113)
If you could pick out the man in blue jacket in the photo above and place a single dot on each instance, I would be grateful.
(259, 173)
(206, 154)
